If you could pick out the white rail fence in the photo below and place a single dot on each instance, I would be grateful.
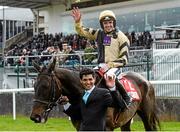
(160, 92)
(14, 91)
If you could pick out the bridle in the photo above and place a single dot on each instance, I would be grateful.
(55, 84)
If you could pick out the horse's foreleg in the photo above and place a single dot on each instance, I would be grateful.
(76, 124)
(126, 127)
(109, 119)
(109, 129)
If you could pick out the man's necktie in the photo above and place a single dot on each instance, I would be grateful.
(85, 97)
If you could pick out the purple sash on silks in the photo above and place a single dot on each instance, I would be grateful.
(107, 41)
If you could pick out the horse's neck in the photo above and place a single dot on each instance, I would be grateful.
(70, 85)
(74, 91)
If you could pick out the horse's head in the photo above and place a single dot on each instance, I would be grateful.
(47, 92)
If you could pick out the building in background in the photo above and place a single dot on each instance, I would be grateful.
(131, 15)
(16, 20)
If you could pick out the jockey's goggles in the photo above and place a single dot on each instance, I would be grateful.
(107, 18)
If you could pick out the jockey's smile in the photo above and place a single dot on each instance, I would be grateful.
(108, 26)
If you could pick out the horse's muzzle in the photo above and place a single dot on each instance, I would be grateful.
(38, 119)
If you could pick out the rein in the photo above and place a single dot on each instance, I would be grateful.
(52, 102)
(99, 81)
(101, 74)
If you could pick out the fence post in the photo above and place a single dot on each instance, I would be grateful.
(148, 69)
(26, 71)
(18, 62)
(14, 105)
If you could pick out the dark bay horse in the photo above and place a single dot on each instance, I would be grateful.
(53, 82)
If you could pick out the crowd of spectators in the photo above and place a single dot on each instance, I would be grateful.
(45, 45)
(140, 40)
(172, 34)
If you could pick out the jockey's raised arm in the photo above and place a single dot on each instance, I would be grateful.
(81, 30)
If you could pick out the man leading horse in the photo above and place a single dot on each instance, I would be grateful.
(113, 48)
(94, 104)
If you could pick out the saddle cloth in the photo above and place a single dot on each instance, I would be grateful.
(127, 84)
(129, 87)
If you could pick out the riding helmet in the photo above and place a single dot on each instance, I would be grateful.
(107, 15)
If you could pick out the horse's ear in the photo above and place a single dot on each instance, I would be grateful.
(36, 66)
(52, 65)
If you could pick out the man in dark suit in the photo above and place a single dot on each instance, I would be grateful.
(94, 104)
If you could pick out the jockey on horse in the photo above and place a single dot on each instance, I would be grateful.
(113, 49)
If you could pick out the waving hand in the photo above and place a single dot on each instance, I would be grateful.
(76, 14)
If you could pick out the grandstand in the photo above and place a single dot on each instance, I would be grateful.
(47, 20)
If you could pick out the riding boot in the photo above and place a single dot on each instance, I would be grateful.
(125, 96)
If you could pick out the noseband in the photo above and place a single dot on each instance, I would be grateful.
(55, 84)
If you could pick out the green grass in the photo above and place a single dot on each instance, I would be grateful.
(23, 123)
